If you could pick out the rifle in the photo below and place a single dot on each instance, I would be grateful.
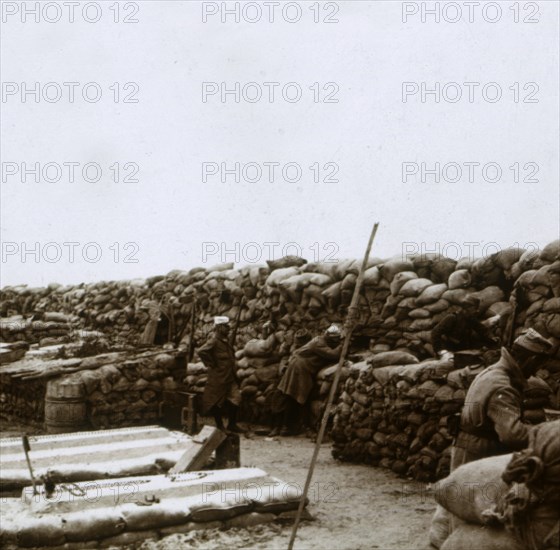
(509, 330)
(236, 324)
(190, 351)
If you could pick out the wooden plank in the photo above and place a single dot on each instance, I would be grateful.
(199, 451)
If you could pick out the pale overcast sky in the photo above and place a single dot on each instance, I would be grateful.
(170, 56)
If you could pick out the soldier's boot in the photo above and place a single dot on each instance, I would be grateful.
(232, 420)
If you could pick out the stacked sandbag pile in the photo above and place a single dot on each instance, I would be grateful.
(401, 301)
(127, 393)
(421, 292)
(402, 298)
(468, 495)
(117, 391)
(537, 301)
(393, 413)
(258, 374)
(531, 510)
(52, 328)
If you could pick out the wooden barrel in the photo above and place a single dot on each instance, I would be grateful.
(65, 406)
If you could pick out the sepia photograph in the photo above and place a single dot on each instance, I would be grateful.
(280, 274)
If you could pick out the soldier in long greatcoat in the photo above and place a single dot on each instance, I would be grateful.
(221, 393)
(491, 420)
(298, 379)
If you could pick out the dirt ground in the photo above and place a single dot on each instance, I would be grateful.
(355, 506)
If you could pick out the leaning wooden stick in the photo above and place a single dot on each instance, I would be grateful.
(348, 333)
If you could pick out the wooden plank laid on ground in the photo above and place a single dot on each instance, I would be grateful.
(199, 450)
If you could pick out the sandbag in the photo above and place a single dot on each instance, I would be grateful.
(476, 537)
(332, 293)
(551, 252)
(440, 527)
(488, 296)
(552, 305)
(221, 267)
(279, 275)
(390, 268)
(419, 313)
(320, 279)
(544, 444)
(459, 279)
(473, 488)
(91, 524)
(414, 287)
(274, 497)
(541, 277)
(128, 539)
(41, 531)
(324, 268)
(437, 307)
(441, 269)
(349, 282)
(388, 358)
(257, 274)
(526, 278)
(507, 257)
(260, 348)
(371, 276)
(168, 512)
(286, 261)
(90, 379)
(299, 281)
(220, 506)
(400, 279)
(431, 294)
(456, 296)
(56, 317)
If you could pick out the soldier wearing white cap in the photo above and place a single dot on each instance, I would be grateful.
(221, 393)
(298, 379)
(491, 419)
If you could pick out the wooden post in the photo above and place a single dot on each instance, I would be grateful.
(346, 344)
(189, 420)
(228, 454)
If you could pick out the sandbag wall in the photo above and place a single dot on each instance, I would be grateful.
(53, 328)
(401, 301)
(128, 393)
(23, 401)
(118, 394)
(397, 416)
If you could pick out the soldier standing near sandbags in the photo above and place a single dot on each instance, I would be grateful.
(491, 419)
(298, 379)
(221, 393)
(461, 330)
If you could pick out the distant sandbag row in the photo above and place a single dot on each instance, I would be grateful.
(402, 299)
(51, 328)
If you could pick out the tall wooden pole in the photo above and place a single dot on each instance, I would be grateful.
(348, 326)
